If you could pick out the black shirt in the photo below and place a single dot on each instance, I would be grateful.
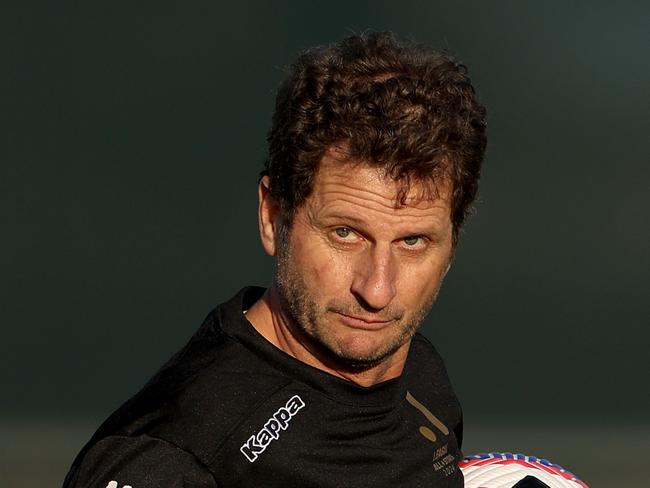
(232, 410)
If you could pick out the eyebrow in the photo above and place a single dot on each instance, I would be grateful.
(348, 218)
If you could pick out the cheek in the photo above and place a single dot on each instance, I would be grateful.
(418, 283)
(320, 265)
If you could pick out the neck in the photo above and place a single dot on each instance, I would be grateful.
(269, 318)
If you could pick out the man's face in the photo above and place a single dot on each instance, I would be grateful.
(358, 272)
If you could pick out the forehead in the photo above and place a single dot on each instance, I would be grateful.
(344, 185)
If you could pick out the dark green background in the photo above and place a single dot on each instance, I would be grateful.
(133, 135)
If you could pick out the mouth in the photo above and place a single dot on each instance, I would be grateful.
(365, 323)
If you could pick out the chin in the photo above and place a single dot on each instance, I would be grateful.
(360, 353)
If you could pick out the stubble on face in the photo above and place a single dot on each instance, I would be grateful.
(309, 319)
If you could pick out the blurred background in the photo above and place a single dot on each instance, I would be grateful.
(132, 137)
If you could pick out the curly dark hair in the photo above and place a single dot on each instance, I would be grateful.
(389, 102)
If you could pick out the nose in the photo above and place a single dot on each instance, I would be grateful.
(374, 278)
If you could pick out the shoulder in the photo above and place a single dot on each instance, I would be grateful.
(426, 372)
(198, 397)
(142, 462)
(423, 353)
(427, 379)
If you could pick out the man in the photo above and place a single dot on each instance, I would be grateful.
(321, 380)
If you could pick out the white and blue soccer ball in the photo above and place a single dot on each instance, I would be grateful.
(506, 470)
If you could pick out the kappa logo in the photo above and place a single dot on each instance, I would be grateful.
(279, 421)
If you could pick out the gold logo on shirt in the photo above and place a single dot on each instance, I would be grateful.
(435, 421)
(443, 460)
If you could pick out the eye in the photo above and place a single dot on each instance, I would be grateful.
(345, 237)
(343, 232)
(412, 240)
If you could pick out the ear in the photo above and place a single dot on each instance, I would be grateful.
(268, 217)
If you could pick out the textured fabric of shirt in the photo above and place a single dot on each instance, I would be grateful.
(232, 410)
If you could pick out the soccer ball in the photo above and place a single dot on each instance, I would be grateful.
(506, 470)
